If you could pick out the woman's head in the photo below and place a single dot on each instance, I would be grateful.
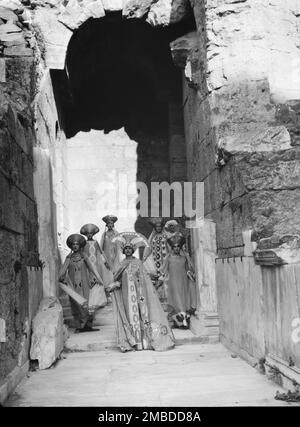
(158, 228)
(75, 242)
(157, 224)
(176, 242)
(128, 250)
(172, 226)
(176, 248)
(110, 221)
(110, 225)
(89, 230)
(75, 246)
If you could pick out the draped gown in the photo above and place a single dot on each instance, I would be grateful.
(111, 249)
(181, 290)
(140, 321)
(97, 297)
(78, 267)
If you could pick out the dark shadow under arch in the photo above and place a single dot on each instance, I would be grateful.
(120, 73)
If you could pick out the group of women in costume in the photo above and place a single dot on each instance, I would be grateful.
(148, 295)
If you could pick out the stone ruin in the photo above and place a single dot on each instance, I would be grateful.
(239, 134)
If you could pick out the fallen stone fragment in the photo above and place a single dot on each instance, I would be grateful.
(48, 333)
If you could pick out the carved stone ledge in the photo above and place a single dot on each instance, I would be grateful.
(267, 258)
(285, 250)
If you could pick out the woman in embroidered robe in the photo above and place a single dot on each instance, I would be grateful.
(140, 321)
(158, 249)
(178, 271)
(92, 250)
(110, 248)
(75, 273)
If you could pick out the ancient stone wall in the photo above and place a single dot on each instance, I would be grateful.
(30, 149)
(242, 120)
(241, 105)
(18, 212)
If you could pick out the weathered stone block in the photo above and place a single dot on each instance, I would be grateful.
(17, 51)
(136, 8)
(7, 14)
(77, 13)
(2, 71)
(47, 333)
(182, 48)
(12, 39)
(112, 5)
(166, 12)
(56, 38)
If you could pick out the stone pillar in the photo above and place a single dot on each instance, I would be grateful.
(47, 229)
(46, 176)
(204, 245)
(204, 251)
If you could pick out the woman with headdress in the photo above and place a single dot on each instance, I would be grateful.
(97, 258)
(171, 229)
(110, 248)
(178, 273)
(75, 272)
(140, 321)
(159, 250)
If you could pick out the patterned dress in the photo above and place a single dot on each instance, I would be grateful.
(97, 297)
(77, 268)
(159, 249)
(111, 249)
(139, 318)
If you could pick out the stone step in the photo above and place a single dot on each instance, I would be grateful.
(105, 338)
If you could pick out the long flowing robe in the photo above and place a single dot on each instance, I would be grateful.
(97, 296)
(111, 249)
(181, 290)
(159, 250)
(140, 321)
(77, 267)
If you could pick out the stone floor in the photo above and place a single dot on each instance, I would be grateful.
(93, 372)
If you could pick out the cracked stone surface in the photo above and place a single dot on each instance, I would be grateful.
(107, 377)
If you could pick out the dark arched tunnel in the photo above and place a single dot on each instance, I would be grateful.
(120, 73)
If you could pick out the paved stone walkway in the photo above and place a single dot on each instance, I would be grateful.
(94, 373)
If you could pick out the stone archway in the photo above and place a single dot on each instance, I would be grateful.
(57, 21)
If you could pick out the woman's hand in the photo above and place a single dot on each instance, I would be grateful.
(191, 275)
(113, 286)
